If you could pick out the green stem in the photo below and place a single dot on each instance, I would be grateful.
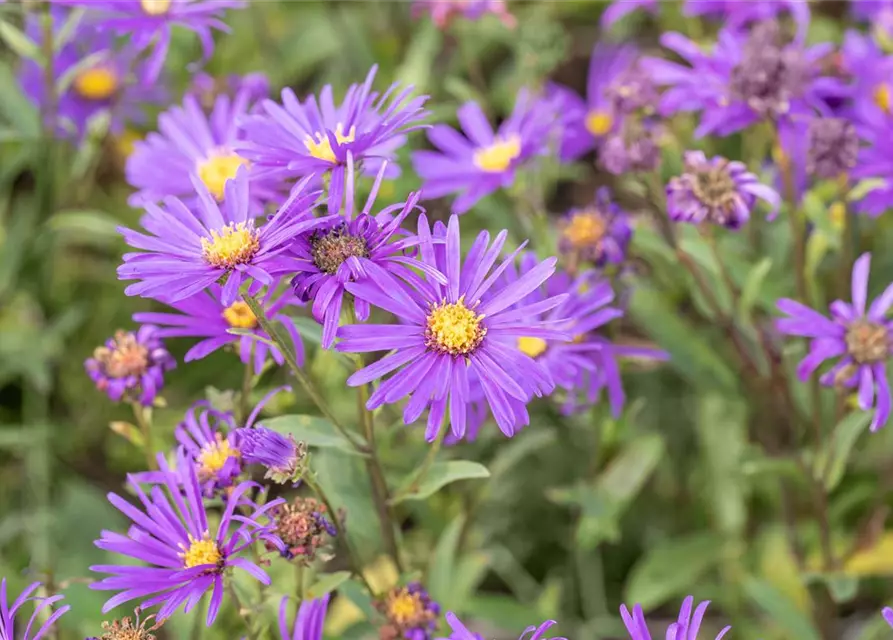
(304, 380)
(429, 459)
(145, 425)
(247, 386)
(243, 612)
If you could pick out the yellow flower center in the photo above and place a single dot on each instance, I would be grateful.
(219, 169)
(204, 551)
(156, 7)
(98, 83)
(214, 455)
(454, 328)
(239, 316)
(883, 97)
(585, 229)
(499, 155)
(404, 607)
(532, 347)
(235, 244)
(321, 149)
(598, 123)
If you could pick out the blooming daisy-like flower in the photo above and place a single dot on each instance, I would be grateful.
(192, 143)
(131, 365)
(8, 613)
(686, 626)
(481, 161)
(620, 8)
(309, 621)
(103, 80)
(449, 332)
(747, 77)
(149, 23)
(718, 191)
(171, 534)
(859, 335)
(599, 234)
(461, 632)
(204, 316)
(304, 528)
(282, 455)
(188, 252)
(442, 12)
(410, 613)
(316, 137)
(586, 123)
(340, 252)
(870, 74)
(207, 435)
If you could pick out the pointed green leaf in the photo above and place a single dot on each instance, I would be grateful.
(752, 286)
(21, 44)
(780, 610)
(443, 473)
(326, 583)
(443, 561)
(832, 460)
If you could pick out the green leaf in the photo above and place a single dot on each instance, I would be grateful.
(722, 432)
(312, 430)
(671, 568)
(20, 112)
(326, 583)
(752, 286)
(309, 328)
(92, 227)
(780, 610)
(443, 562)
(21, 44)
(356, 593)
(423, 50)
(626, 474)
(832, 460)
(501, 611)
(864, 187)
(441, 474)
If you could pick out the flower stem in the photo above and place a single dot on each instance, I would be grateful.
(145, 424)
(247, 386)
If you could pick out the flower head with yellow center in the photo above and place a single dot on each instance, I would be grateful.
(498, 156)
(453, 328)
(201, 551)
(883, 96)
(213, 457)
(234, 244)
(96, 84)
(410, 612)
(585, 228)
(217, 169)
(320, 147)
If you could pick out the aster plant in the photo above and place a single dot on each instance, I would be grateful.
(308, 623)
(686, 627)
(461, 632)
(43, 608)
(131, 365)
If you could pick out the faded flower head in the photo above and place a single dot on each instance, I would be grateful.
(131, 365)
(598, 234)
(282, 456)
(833, 147)
(635, 147)
(411, 613)
(128, 629)
(718, 191)
(304, 527)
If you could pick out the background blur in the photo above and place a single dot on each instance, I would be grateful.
(580, 515)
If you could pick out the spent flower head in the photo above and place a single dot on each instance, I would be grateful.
(131, 365)
(304, 527)
(410, 612)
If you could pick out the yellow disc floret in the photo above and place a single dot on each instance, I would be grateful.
(883, 97)
(218, 169)
(234, 244)
(584, 229)
(454, 328)
(156, 7)
(238, 315)
(405, 607)
(598, 123)
(213, 456)
(499, 155)
(200, 552)
(532, 347)
(98, 83)
(320, 147)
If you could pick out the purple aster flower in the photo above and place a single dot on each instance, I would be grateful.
(869, 71)
(789, 154)
(171, 534)
(282, 456)
(8, 613)
(188, 252)
(447, 333)
(878, 13)
(309, 621)
(737, 15)
(861, 338)
(461, 632)
(875, 161)
(887, 612)
(149, 23)
(686, 626)
(585, 123)
(207, 435)
(316, 137)
(620, 8)
(410, 613)
(131, 365)
(481, 161)
(340, 252)
(207, 88)
(204, 316)
(442, 12)
(633, 147)
(748, 77)
(109, 82)
(718, 191)
(599, 233)
(191, 143)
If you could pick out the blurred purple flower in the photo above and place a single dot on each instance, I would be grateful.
(870, 74)
(633, 148)
(203, 315)
(833, 147)
(480, 162)
(316, 137)
(736, 14)
(461, 632)
(149, 23)
(598, 234)
(131, 365)
(878, 13)
(718, 191)
(43, 607)
(861, 338)
(442, 12)
(447, 332)
(282, 456)
(875, 163)
(410, 613)
(208, 438)
(191, 144)
(887, 612)
(309, 621)
(619, 8)
(746, 78)
(171, 533)
(188, 252)
(686, 626)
